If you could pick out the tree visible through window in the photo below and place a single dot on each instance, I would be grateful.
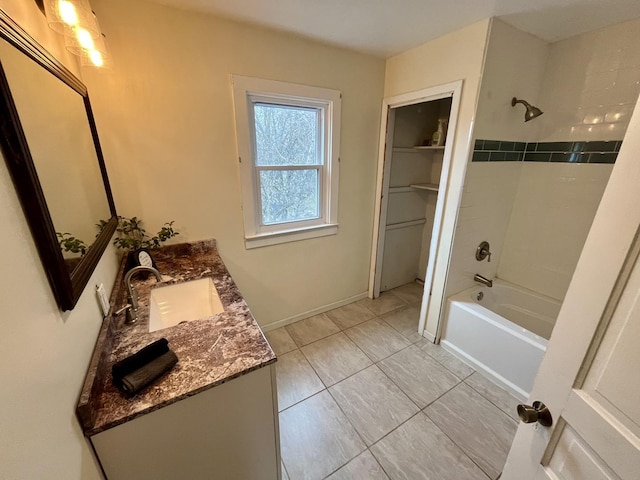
(288, 158)
(288, 144)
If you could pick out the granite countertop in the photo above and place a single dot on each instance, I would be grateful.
(210, 351)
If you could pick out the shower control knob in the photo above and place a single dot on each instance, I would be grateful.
(538, 412)
(483, 251)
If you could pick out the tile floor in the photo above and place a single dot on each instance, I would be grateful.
(363, 396)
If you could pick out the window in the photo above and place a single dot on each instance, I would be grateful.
(288, 144)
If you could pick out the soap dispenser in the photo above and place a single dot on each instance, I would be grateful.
(439, 136)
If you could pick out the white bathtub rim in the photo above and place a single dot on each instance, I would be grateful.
(506, 283)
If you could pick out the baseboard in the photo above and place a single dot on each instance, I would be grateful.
(311, 313)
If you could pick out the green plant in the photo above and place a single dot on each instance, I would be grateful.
(100, 226)
(132, 235)
(69, 243)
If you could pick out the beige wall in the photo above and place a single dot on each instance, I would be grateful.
(166, 120)
(456, 56)
(166, 117)
(44, 353)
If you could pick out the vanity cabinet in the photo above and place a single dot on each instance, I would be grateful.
(213, 416)
(226, 432)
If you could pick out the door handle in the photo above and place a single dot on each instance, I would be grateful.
(537, 412)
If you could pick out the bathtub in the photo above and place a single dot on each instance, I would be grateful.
(502, 330)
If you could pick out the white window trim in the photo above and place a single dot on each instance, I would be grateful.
(247, 90)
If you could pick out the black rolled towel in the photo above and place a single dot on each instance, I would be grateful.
(139, 359)
(136, 381)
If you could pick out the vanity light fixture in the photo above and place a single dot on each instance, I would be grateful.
(531, 113)
(78, 23)
(97, 57)
(93, 52)
(68, 17)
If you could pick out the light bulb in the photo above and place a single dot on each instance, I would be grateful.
(68, 12)
(96, 58)
(85, 39)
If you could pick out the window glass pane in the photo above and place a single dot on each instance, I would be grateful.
(286, 135)
(289, 195)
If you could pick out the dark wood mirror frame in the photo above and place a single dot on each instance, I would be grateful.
(67, 287)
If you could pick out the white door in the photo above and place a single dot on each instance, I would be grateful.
(590, 376)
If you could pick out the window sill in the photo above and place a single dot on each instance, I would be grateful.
(293, 235)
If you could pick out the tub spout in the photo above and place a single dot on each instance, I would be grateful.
(485, 281)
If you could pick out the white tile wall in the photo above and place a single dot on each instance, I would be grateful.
(504, 77)
(489, 193)
(537, 215)
(591, 85)
(550, 220)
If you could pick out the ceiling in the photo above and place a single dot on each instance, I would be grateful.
(387, 27)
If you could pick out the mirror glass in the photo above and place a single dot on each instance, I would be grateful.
(54, 122)
(51, 147)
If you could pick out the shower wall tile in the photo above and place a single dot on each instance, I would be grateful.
(597, 146)
(488, 195)
(590, 85)
(551, 216)
(534, 213)
(603, 157)
(507, 146)
(481, 156)
(599, 151)
(491, 145)
(502, 78)
(537, 157)
(587, 86)
(553, 147)
(514, 156)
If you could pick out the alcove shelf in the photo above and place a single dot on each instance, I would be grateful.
(417, 149)
(428, 147)
(432, 187)
(412, 172)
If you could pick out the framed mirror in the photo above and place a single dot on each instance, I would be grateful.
(50, 144)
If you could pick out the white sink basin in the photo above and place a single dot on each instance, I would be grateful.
(183, 302)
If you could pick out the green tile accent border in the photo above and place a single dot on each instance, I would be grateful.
(597, 151)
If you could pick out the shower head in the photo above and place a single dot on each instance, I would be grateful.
(532, 112)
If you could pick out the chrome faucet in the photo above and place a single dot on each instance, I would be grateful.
(485, 281)
(132, 307)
